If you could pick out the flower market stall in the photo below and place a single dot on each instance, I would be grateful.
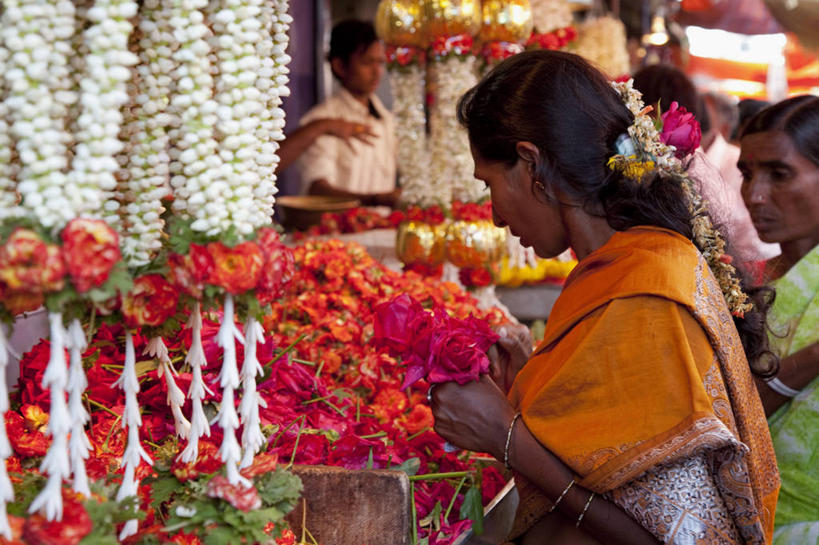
(194, 360)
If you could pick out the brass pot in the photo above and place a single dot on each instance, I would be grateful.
(419, 242)
(401, 22)
(505, 20)
(474, 243)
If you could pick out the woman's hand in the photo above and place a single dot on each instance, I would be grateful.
(474, 416)
(508, 356)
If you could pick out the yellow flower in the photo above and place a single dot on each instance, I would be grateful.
(630, 166)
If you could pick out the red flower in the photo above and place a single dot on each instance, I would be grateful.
(236, 269)
(243, 498)
(90, 250)
(18, 302)
(182, 538)
(74, 526)
(287, 538)
(192, 271)
(278, 269)
(27, 433)
(208, 461)
(151, 301)
(262, 463)
(455, 355)
(681, 130)
(391, 323)
(28, 264)
(419, 417)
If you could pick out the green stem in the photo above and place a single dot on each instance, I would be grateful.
(290, 425)
(452, 501)
(277, 357)
(303, 362)
(320, 367)
(295, 447)
(100, 406)
(417, 433)
(433, 476)
(414, 529)
(374, 435)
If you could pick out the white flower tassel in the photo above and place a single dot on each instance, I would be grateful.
(55, 463)
(227, 418)
(6, 490)
(176, 397)
(131, 421)
(252, 436)
(196, 393)
(78, 444)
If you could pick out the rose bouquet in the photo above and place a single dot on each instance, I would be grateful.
(433, 344)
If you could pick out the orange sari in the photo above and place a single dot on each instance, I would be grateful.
(641, 370)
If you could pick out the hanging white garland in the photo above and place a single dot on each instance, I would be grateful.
(38, 36)
(6, 489)
(131, 422)
(408, 90)
(227, 417)
(78, 445)
(451, 160)
(196, 392)
(102, 95)
(197, 170)
(252, 437)
(145, 178)
(237, 29)
(55, 464)
(176, 397)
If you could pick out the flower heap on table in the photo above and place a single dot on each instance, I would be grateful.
(330, 398)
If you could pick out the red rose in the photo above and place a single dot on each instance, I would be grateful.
(455, 355)
(681, 130)
(75, 525)
(192, 271)
(279, 266)
(264, 462)
(27, 433)
(236, 269)
(151, 301)
(243, 498)
(18, 302)
(208, 461)
(90, 250)
(391, 323)
(28, 264)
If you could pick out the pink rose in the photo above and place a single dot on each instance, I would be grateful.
(243, 498)
(456, 355)
(392, 324)
(681, 130)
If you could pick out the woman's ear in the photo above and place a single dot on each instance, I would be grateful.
(528, 153)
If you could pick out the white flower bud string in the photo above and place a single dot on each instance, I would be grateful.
(78, 444)
(196, 393)
(6, 489)
(55, 464)
(252, 436)
(176, 397)
(227, 417)
(131, 421)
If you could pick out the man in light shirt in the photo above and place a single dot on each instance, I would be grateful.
(363, 167)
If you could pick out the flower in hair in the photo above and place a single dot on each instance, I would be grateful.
(681, 130)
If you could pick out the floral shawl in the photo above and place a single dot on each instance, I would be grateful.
(641, 386)
(794, 321)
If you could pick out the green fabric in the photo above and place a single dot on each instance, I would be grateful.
(794, 321)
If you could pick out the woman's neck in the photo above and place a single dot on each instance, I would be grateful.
(586, 232)
(792, 252)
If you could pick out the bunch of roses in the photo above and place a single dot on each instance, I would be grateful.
(432, 344)
(263, 265)
(31, 267)
(556, 39)
(354, 220)
(459, 45)
(399, 56)
(494, 52)
(472, 211)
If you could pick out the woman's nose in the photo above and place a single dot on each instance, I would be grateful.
(753, 192)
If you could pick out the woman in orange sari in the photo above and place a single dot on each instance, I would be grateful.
(637, 419)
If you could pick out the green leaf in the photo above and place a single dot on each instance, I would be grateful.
(473, 509)
(410, 466)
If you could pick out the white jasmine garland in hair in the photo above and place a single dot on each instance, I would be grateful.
(237, 30)
(408, 91)
(131, 421)
(197, 171)
(145, 176)
(37, 35)
(102, 95)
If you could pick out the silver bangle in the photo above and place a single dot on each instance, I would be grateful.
(781, 388)
(509, 440)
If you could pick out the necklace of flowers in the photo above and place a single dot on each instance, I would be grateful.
(647, 146)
